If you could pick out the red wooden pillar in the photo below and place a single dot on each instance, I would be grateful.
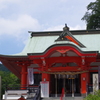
(24, 77)
(45, 77)
(84, 84)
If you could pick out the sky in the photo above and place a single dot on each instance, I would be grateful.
(17, 17)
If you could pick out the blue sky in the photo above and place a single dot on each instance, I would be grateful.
(17, 17)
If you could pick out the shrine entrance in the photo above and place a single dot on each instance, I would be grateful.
(70, 83)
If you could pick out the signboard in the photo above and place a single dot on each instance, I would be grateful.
(44, 88)
(95, 82)
(30, 76)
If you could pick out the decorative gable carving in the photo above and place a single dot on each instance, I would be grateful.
(67, 36)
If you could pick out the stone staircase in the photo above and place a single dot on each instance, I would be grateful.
(31, 93)
(34, 94)
(65, 98)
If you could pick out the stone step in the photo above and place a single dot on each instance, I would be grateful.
(29, 99)
(65, 98)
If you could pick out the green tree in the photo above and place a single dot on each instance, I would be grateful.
(92, 16)
(9, 80)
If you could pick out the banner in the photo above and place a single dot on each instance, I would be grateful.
(30, 76)
(44, 88)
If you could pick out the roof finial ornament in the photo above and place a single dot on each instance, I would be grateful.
(66, 28)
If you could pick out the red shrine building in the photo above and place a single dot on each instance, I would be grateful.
(59, 59)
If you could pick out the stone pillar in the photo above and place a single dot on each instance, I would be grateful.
(24, 77)
(84, 84)
(95, 83)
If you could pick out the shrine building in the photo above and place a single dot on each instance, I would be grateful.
(59, 59)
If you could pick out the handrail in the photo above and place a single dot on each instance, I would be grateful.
(37, 96)
(19, 88)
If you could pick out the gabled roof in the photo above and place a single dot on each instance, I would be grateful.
(67, 36)
(85, 40)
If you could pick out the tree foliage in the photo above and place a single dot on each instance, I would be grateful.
(8, 80)
(92, 16)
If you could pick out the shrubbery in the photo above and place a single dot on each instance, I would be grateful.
(95, 96)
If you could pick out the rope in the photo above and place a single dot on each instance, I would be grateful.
(64, 73)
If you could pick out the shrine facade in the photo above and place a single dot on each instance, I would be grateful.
(59, 60)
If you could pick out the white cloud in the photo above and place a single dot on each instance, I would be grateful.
(78, 27)
(18, 28)
(55, 28)
(15, 27)
(60, 27)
